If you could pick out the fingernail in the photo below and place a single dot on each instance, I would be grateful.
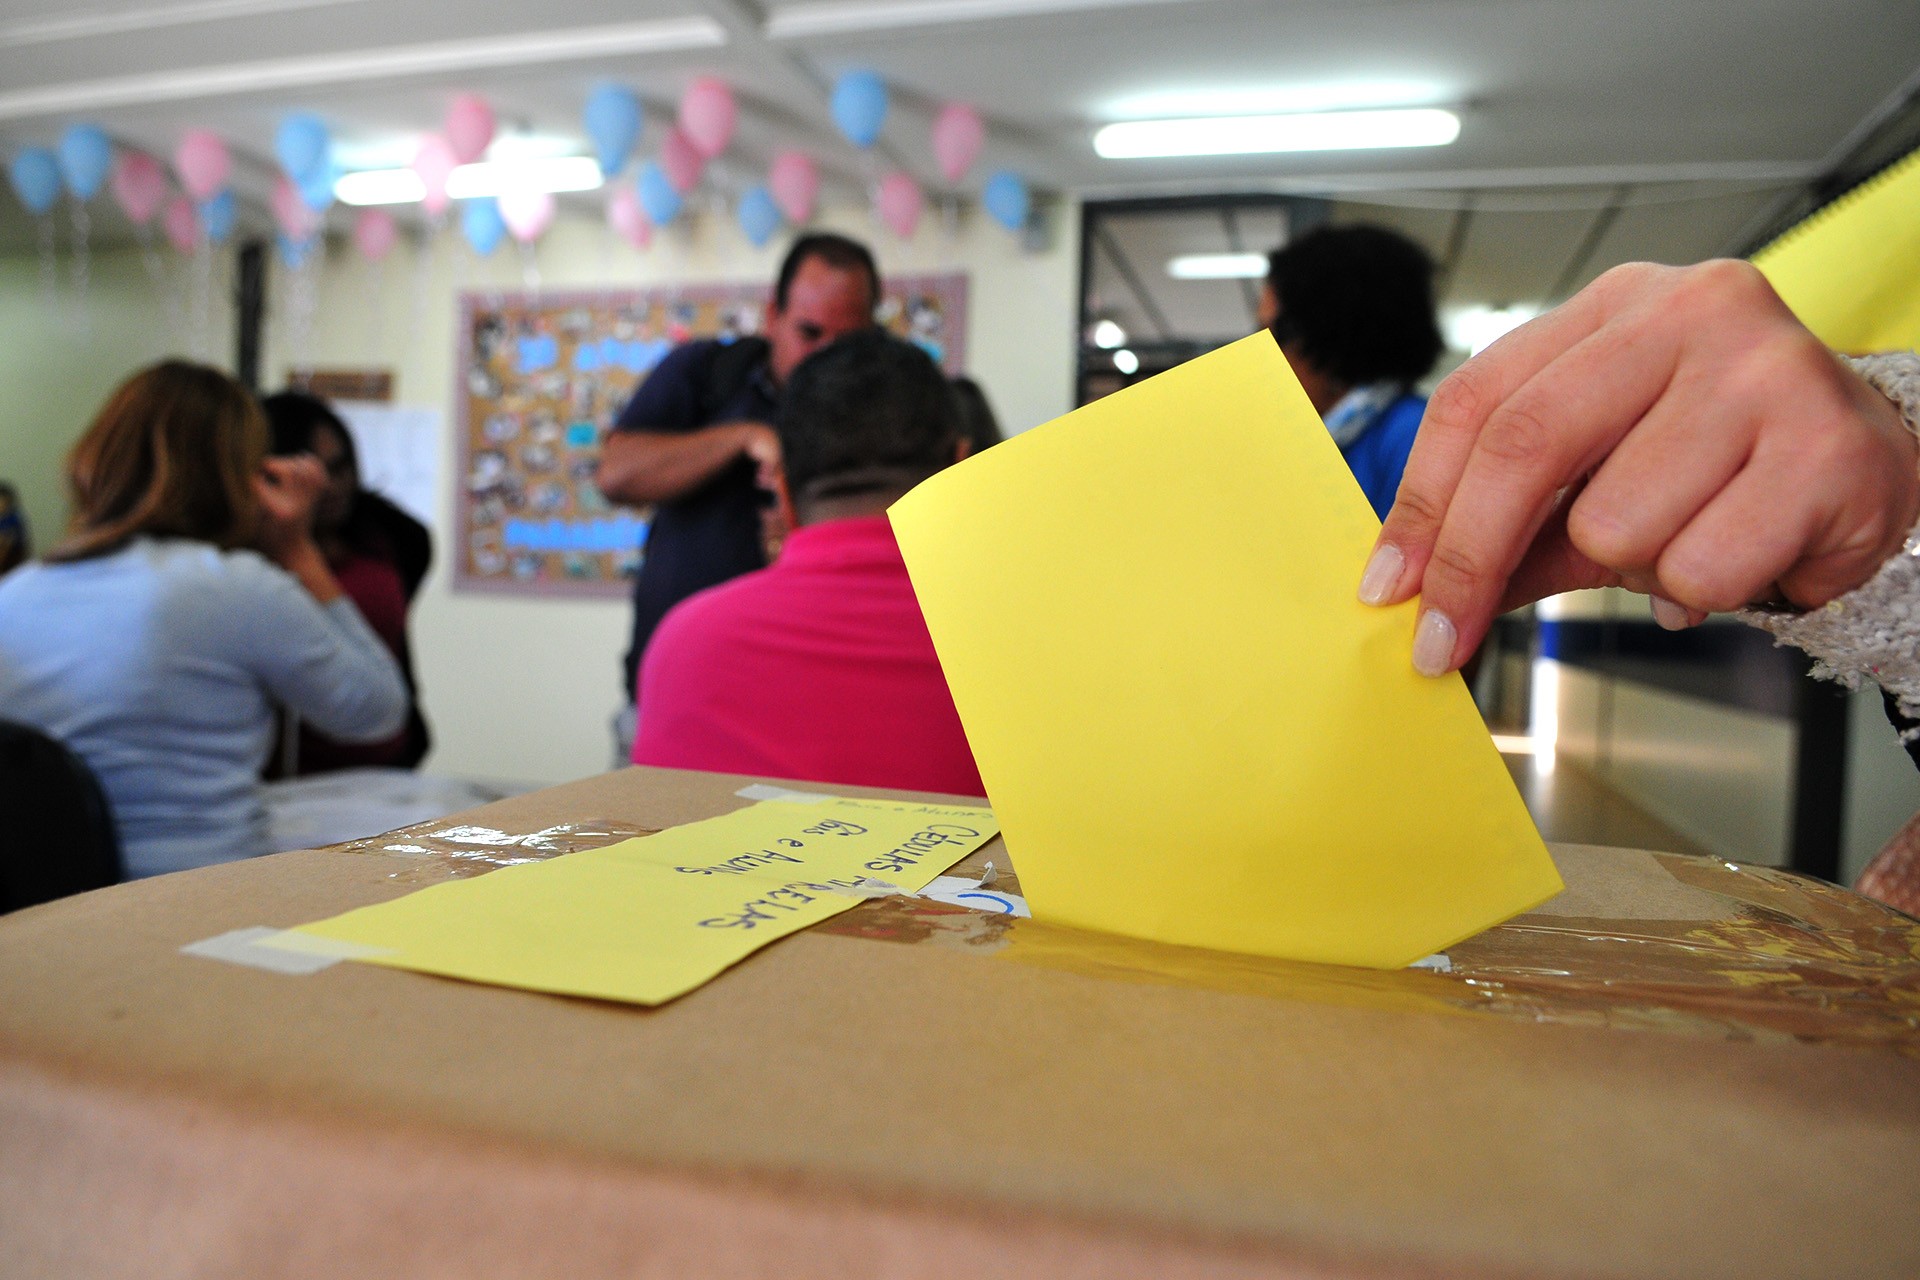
(1674, 617)
(1382, 575)
(1433, 641)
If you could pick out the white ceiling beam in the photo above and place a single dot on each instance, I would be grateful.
(844, 17)
(522, 49)
(81, 26)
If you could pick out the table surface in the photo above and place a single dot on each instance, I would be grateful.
(913, 1089)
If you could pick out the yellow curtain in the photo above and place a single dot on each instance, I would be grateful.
(1851, 271)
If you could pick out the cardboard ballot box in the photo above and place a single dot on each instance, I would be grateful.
(1680, 1067)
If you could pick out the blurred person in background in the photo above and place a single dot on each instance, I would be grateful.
(378, 553)
(186, 601)
(1352, 310)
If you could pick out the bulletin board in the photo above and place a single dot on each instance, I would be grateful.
(542, 375)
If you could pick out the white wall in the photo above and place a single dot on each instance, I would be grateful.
(522, 690)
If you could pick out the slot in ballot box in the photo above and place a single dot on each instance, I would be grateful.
(1680, 1067)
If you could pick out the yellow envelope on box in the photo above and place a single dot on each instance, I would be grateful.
(1190, 728)
(650, 919)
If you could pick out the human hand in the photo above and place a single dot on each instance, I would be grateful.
(287, 489)
(760, 444)
(1672, 430)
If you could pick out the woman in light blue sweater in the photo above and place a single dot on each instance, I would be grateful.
(187, 600)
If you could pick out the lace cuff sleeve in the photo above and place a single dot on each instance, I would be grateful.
(1872, 632)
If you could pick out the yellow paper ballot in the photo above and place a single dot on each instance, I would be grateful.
(1190, 728)
(650, 919)
(1851, 271)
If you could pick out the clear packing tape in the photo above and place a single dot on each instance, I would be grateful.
(1748, 953)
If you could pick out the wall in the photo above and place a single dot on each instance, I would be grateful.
(63, 350)
(523, 690)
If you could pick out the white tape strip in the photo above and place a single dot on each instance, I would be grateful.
(958, 891)
(764, 791)
(279, 950)
(1437, 962)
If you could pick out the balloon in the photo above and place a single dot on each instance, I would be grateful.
(900, 204)
(290, 212)
(708, 115)
(301, 145)
(374, 233)
(182, 224)
(1007, 200)
(217, 215)
(613, 119)
(469, 127)
(139, 185)
(202, 162)
(796, 185)
(958, 135)
(860, 106)
(433, 164)
(481, 223)
(527, 214)
(627, 218)
(86, 157)
(36, 178)
(295, 252)
(316, 189)
(657, 194)
(759, 216)
(680, 161)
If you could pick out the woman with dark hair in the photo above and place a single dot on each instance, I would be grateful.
(186, 601)
(377, 551)
(1352, 310)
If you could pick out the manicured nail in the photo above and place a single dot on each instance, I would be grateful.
(1382, 575)
(1433, 641)
(1674, 617)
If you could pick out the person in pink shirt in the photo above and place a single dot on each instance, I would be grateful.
(819, 667)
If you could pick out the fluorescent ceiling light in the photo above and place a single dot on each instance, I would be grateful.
(1353, 95)
(1107, 335)
(403, 186)
(1218, 266)
(1126, 362)
(1474, 329)
(1252, 135)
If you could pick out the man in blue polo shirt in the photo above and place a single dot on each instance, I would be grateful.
(697, 439)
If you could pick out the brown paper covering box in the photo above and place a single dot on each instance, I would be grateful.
(1679, 1068)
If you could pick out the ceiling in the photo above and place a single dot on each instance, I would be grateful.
(1594, 131)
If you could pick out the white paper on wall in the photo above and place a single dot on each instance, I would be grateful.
(399, 447)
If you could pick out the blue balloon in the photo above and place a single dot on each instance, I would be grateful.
(657, 195)
(217, 215)
(86, 157)
(296, 252)
(36, 178)
(1007, 199)
(481, 223)
(316, 189)
(860, 106)
(301, 145)
(759, 216)
(613, 122)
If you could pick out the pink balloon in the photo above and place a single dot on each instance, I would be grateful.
(681, 161)
(527, 213)
(139, 185)
(182, 224)
(627, 218)
(374, 233)
(202, 163)
(433, 164)
(290, 212)
(958, 135)
(900, 204)
(708, 115)
(795, 183)
(469, 127)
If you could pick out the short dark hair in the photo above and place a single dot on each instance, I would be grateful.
(868, 412)
(977, 420)
(295, 417)
(1357, 302)
(836, 251)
